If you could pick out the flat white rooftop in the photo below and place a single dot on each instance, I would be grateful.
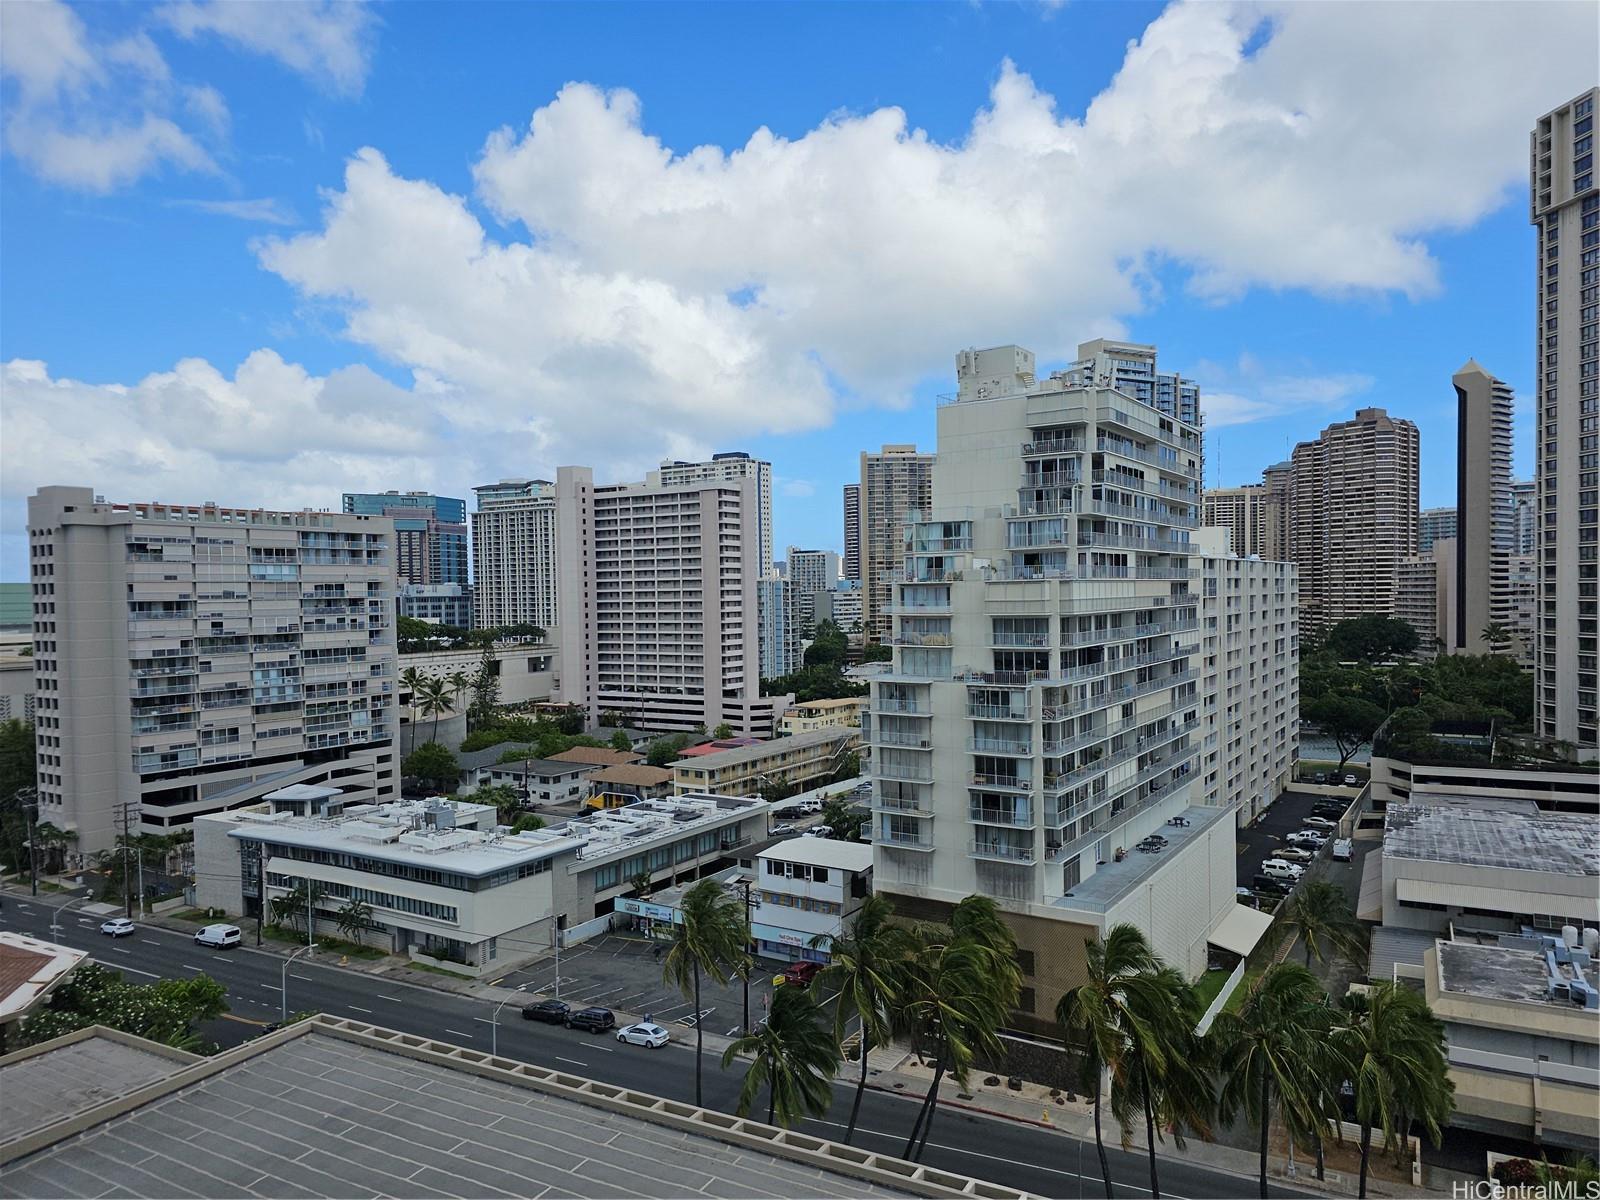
(1511, 838)
(650, 822)
(822, 852)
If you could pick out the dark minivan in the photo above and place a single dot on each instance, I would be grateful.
(551, 1012)
(592, 1020)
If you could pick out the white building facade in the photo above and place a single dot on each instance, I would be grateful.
(514, 554)
(1250, 678)
(1041, 717)
(807, 888)
(190, 658)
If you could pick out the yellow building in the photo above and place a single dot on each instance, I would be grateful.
(843, 713)
(795, 763)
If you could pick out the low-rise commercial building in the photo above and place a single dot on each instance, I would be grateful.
(1500, 866)
(843, 713)
(793, 763)
(806, 888)
(443, 881)
(1554, 787)
(538, 780)
(527, 671)
(1522, 1034)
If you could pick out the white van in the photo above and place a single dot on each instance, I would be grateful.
(219, 936)
(1278, 868)
(1344, 850)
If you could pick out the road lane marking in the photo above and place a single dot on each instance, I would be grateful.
(573, 1061)
(120, 967)
(391, 999)
(457, 1032)
(242, 1020)
(191, 966)
(353, 1008)
(485, 1020)
(150, 941)
(119, 949)
(272, 987)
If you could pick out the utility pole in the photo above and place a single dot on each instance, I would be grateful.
(30, 805)
(750, 957)
(127, 895)
(261, 887)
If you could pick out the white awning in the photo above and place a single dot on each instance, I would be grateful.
(1240, 930)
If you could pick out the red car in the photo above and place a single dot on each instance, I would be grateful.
(801, 973)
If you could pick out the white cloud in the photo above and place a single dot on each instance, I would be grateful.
(266, 210)
(92, 116)
(1251, 391)
(271, 434)
(665, 302)
(327, 41)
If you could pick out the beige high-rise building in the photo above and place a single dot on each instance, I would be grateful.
(1250, 513)
(1277, 479)
(658, 600)
(191, 658)
(1041, 717)
(895, 481)
(1249, 677)
(1485, 517)
(1566, 215)
(1425, 595)
(514, 555)
(1353, 516)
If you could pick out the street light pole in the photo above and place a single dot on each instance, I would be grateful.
(494, 1023)
(30, 805)
(56, 913)
(283, 980)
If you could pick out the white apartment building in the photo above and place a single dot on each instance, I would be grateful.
(894, 481)
(1250, 678)
(1130, 368)
(190, 658)
(851, 564)
(1565, 212)
(1525, 503)
(810, 572)
(729, 465)
(514, 554)
(1435, 525)
(658, 588)
(1041, 718)
(1250, 513)
(843, 606)
(806, 888)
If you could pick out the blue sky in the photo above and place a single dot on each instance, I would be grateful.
(264, 253)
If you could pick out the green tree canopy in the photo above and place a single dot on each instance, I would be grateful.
(1370, 638)
(1348, 720)
(664, 750)
(814, 683)
(877, 652)
(166, 1011)
(434, 765)
(829, 646)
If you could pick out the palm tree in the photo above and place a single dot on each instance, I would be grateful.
(1319, 915)
(863, 973)
(793, 1054)
(432, 699)
(958, 985)
(354, 919)
(1168, 1077)
(1264, 1049)
(411, 679)
(1391, 1048)
(1101, 1012)
(711, 940)
(458, 682)
(1498, 635)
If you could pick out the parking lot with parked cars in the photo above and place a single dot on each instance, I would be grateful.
(623, 972)
(1285, 840)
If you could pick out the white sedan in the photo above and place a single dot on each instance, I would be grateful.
(644, 1034)
(117, 927)
(1320, 823)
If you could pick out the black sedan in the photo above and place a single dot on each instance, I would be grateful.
(551, 1012)
(592, 1020)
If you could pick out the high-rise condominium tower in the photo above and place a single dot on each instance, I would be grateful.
(1250, 513)
(1485, 517)
(1566, 217)
(1131, 369)
(1435, 525)
(514, 548)
(190, 658)
(1041, 715)
(1353, 516)
(1525, 500)
(1277, 479)
(1249, 677)
(852, 531)
(430, 533)
(894, 481)
(658, 601)
(732, 464)
(810, 572)
(779, 632)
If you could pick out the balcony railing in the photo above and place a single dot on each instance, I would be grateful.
(909, 774)
(1013, 783)
(891, 738)
(1053, 445)
(996, 712)
(1036, 641)
(999, 746)
(893, 705)
(902, 842)
(1001, 851)
(1017, 818)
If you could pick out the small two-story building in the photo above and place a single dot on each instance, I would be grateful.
(805, 888)
(796, 763)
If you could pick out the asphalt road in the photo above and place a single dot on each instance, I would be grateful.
(1042, 1161)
